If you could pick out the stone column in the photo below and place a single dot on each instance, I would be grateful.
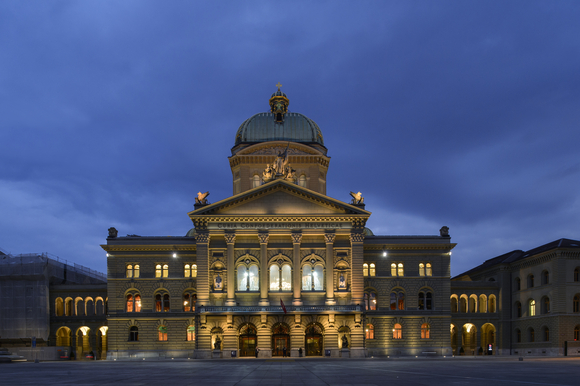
(231, 272)
(329, 239)
(296, 277)
(264, 236)
(357, 280)
(202, 260)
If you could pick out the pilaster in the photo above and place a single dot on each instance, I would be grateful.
(329, 238)
(264, 236)
(202, 260)
(357, 281)
(296, 284)
(230, 240)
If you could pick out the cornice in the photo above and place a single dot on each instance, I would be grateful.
(147, 248)
(391, 247)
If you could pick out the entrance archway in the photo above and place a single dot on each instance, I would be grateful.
(248, 340)
(469, 339)
(314, 340)
(280, 339)
(454, 339)
(488, 337)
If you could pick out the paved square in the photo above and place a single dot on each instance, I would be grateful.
(444, 371)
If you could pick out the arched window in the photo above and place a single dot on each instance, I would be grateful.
(546, 331)
(463, 304)
(518, 335)
(398, 331)
(531, 307)
(492, 303)
(400, 271)
(394, 269)
(58, 307)
(162, 302)
(132, 271)
(280, 279)
(129, 271)
(158, 270)
(576, 303)
(370, 331)
(421, 269)
(545, 305)
(425, 300)
(189, 300)
(454, 304)
(545, 277)
(134, 334)
(482, 303)
(187, 270)
(372, 269)
(190, 333)
(370, 301)
(530, 281)
(518, 284)
(576, 274)
(428, 269)
(365, 269)
(472, 303)
(531, 335)
(577, 333)
(302, 180)
(397, 300)
(63, 336)
(90, 307)
(312, 279)
(248, 278)
(165, 270)
(518, 308)
(274, 278)
(256, 181)
(425, 331)
(130, 302)
(68, 307)
(162, 333)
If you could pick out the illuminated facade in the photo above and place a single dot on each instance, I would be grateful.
(278, 265)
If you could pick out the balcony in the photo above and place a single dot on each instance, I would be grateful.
(278, 309)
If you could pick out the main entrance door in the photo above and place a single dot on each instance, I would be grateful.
(280, 339)
(248, 341)
(314, 341)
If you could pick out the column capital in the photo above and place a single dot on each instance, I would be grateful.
(296, 237)
(230, 237)
(202, 238)
(263, 236)
(357, 237)
(329, 237)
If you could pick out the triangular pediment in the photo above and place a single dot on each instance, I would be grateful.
(279, 198)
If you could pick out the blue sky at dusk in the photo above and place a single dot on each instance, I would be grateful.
(464, 114)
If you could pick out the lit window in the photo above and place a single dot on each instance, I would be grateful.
(158, 270)
(372, 270)
(190, 333)
(400, 271)
(187, 270)
(162, 302)
(133, 303)
(482, 303)
(162, 333)
(370, 301)
(397, 300)
(532, 307)
(165, 270)
(132, 271)
(425, 331)
(133, 334)
(398, 331)
(429, 269)
(370, 331)
(425, 300)
(365, 269)
(129, 271)
(129, 303)
(280, 279)
(248, 278)
(393, 269)
(421, 269)
(189, 300)
(312, 279)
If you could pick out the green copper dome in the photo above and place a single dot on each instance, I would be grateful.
(264, 127)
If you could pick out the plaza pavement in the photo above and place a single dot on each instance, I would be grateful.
(301, 371)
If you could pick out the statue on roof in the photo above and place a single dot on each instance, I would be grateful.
(281, 161)
(201, 198)
(357, 198)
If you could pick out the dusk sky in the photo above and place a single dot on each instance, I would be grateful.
(460, 113)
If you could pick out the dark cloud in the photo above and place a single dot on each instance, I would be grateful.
(442, 113)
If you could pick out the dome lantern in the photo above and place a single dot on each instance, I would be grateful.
(279, 104)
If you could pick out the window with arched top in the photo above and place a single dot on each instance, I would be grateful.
(577, 333)
(162, 302)
(518, 308)
(518, 335)
(463, 304)
(428, 269)
(545, 277)
(256, 181)
(530, 281)
(133, 334)
(425, 300)
(531, 307)
(312, 277)
(398, 331)
(472, 303)
(132, 271)
(189, 301)
(365, 269)
(370, 331)
(302, 180)
(492, 304)
(248, 277)
(190, 270)
(425, 331)
(454, 306)
(482, 303)
(545, 305)
(162, 331)
(133, 302)
(400, 270)
(190, 333)
(280, 277)
(158, 271)
(531, 335)
(372, 269)
(129, 271)
(397, 300)
(370, 300)
(421, 269)
(576, 303)
(546, 333)
(59, 307)
(518, 284)
(393, 269)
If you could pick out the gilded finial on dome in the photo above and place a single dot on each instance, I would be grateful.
(279, 104)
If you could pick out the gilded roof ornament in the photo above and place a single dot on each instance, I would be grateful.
(279, 104)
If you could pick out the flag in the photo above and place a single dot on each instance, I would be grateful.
(282, 304)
